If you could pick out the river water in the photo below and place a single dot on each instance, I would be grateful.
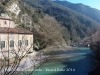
(78, 61)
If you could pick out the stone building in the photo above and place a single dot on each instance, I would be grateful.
(13, 38)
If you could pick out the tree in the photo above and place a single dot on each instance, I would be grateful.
(11, 58)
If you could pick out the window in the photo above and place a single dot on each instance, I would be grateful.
(5, 22)
(19, 43)
(2, 44)
(26, 42)
(11, 43)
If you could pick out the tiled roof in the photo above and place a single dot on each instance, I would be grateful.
(5, 18)
(6, 30)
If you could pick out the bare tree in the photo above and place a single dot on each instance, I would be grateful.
(11, 58)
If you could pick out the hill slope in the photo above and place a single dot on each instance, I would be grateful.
(83, 9)
(45, 28)
(64, 25)
(77, 24)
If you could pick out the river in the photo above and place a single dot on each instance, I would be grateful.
(78, 61)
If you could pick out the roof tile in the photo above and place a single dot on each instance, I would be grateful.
(14, 30)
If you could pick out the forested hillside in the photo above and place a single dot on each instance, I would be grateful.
(83, 9)
(2, 5)
(77, 25)
(44, 27)
(50, 22)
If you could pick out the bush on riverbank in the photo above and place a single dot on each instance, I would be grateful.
(96, 49)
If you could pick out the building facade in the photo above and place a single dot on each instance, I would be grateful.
(7, 22)
(14, 39)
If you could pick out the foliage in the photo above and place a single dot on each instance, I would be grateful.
(76, 23)
(2, 4)
(96, 49)
(45, 28)
(83, 9)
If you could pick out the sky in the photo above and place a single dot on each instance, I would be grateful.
(91, 3)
